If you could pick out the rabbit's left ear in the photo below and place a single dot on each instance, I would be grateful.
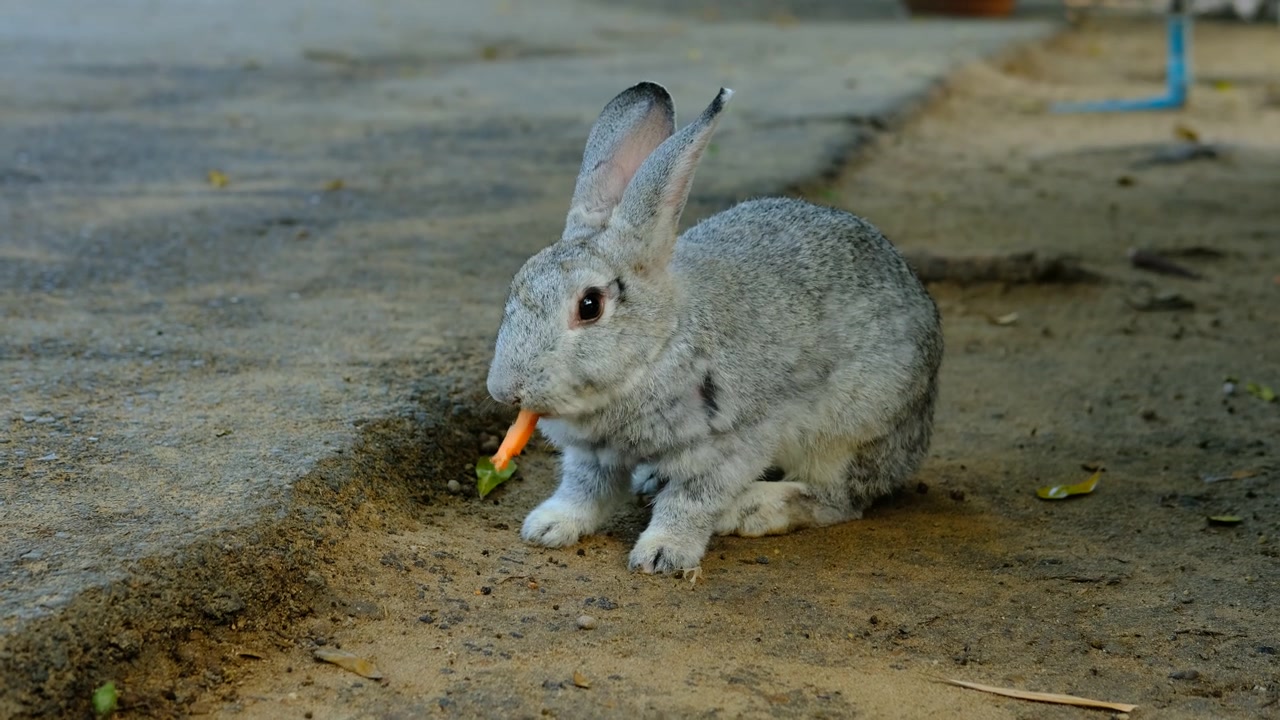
(629, 128)
(656, 196)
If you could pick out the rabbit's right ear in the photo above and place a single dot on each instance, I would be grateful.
(629, 128)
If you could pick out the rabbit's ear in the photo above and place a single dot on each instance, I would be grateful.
(656, 197)
(627, 131)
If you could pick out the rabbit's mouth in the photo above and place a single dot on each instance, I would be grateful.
(540, 409)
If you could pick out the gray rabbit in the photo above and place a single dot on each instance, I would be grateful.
(775, 339)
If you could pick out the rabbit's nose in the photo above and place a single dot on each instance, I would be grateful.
(504, 392)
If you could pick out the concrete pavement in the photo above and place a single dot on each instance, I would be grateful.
(176, 355)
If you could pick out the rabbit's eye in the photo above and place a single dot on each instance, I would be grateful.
(591, 306)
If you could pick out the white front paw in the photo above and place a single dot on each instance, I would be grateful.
(659, 552)
(645, 480)
(557, 523)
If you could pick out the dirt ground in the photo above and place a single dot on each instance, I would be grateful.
(1128, 594)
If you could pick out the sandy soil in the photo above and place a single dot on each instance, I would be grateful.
(1128, 594)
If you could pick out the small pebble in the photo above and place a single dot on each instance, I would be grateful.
(489, 444)
(957, 495)
(455, 487)
(1184, 675)
(762, 560)
(586, 622)
(426, 619)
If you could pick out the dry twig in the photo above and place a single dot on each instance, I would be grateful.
(1044, 697)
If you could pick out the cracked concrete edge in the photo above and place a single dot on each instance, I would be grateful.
(259, 575)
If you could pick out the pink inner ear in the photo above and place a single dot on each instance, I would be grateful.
(632, 150)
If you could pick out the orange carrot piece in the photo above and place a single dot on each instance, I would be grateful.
(518, 435)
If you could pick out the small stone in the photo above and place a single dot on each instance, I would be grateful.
(1148, 414)
(762, 560)
(1266, 650)
(489, 444)
(455, 487)
(586, 622)
(957, 495)
(426, 619)
(1184, 675)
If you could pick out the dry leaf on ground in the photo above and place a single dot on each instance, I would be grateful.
(349, 661)
(1058, 492)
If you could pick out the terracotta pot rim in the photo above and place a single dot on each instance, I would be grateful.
(972, 8)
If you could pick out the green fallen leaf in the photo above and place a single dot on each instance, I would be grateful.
(489, 477)
(1225, 520)
(104, 699)
(1058, 492)
(1262, 392)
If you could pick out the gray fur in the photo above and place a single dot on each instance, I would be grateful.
(628, 130)
(777, 337)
